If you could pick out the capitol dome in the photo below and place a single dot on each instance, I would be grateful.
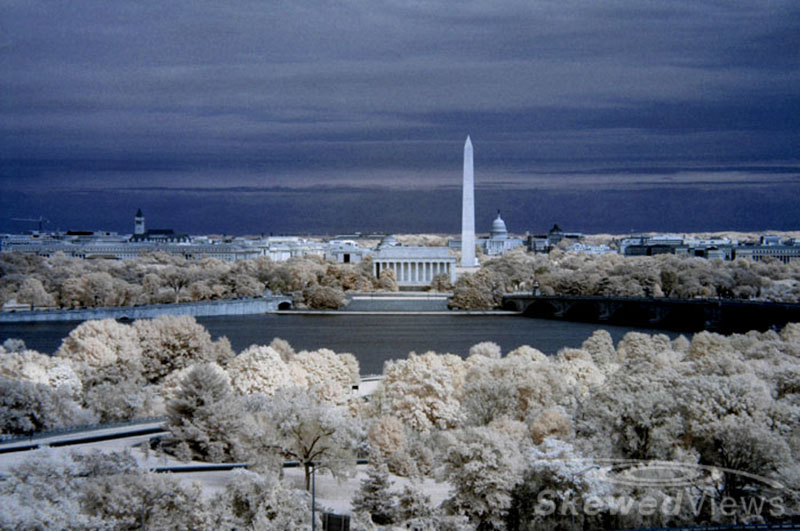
(499, 230)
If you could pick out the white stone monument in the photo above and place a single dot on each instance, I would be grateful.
(468, 259)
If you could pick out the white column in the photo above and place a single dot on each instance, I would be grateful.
(468, 210)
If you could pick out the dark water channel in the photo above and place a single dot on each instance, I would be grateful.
(373, 339)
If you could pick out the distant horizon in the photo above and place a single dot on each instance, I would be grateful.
(746, 207)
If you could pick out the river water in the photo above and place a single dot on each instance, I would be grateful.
(373, 339)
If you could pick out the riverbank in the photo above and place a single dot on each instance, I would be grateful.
(389, 312)
(724, 316)
(408, 302)
(250, 306)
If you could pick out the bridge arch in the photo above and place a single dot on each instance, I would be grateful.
(635, 314)
(585, 311)
(541, 309)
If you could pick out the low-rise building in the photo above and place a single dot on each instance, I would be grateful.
(346, 251)
(544, 243)
(786, 253)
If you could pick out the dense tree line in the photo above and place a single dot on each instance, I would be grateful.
(73, 490)
(160, 278)
(513, 435)
(568, 273)
(64, 282)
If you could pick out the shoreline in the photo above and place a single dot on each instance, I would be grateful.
(251, 306)
(395, 312)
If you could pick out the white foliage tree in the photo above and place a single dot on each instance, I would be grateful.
(635, 415)
(26, 407)
(514, 386)
(314, 433)
(44, 491)
(173, 342)
(283, 348)
(388, 440)
(414, 507)
(32, 292)
(579, 370)
(124, 400)
(328, 375)
(259, 369)
(551, 422)
(109, 351)
(486, 348)
(374, 495)
(421, 391)
(601, 347)
(482, 466)
(529, 353)
(40, 368)
(142, 500)
(252, 501)
(556, 480)
(205, 418)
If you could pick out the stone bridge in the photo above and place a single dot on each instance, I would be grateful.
(690, 315)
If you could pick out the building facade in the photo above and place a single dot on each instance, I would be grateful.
(413, 266)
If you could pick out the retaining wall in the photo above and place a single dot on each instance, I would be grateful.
(196, 309)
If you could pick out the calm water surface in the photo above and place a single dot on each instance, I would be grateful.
(373, 339)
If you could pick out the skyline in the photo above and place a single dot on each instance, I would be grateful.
(297, 117)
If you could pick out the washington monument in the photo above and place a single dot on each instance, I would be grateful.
(468, 211)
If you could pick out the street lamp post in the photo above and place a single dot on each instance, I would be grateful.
(313, 497)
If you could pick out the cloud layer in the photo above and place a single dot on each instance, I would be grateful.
(382, 92)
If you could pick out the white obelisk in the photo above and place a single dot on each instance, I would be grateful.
(468, 210)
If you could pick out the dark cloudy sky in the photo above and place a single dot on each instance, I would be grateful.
(312, 116)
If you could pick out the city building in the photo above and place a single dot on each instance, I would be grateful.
(155, 235)
(544, 243)
(413, 266)
(769, 246)
(499, 242)
(653, 245)
(282, 248)
(346, 251)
